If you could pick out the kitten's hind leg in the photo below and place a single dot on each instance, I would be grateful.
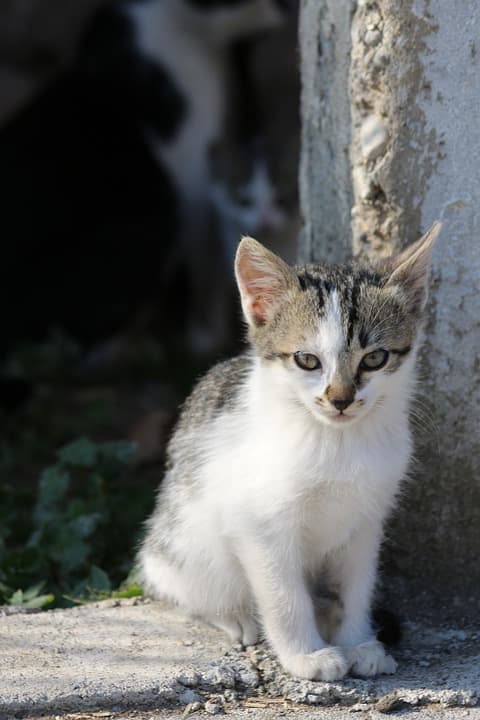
(241, 628)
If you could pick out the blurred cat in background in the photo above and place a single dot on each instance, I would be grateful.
(191, 39)
(111, 161)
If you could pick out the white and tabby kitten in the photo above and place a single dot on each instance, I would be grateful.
(286, 461)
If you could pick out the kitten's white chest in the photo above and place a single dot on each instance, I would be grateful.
(329, 520)
(325, 484)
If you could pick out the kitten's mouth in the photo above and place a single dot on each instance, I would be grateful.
(337, 419)
(341, 417)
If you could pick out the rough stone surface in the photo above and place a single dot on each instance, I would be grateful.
(266, 709)
(447, 491)
(374, 138)
(118, 655)
(414, 68)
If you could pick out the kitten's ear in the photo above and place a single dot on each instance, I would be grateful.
(409, 270)
(263, 279)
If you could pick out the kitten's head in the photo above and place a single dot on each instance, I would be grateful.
(343, 337)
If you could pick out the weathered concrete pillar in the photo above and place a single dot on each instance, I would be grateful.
(412, 117)
(325, 183)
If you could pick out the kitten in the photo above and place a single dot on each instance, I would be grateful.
(287, 460)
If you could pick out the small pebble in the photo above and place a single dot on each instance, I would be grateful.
(213, 708)
(359, 707)
(388, 703)
(222, 675)
(189, 679)
(229, 695)
(249, 678)
(188, 696)
(314, 699)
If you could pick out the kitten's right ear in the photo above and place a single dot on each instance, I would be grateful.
(263, 279)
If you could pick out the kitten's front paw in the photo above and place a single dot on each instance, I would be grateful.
(369, 659)
(328, 664)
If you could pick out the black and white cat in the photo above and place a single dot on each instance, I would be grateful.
(190, 40)
(104, 178)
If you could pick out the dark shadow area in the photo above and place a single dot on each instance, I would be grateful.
(128, 172)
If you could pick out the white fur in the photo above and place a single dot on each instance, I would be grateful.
(191, 44)
(283, 495)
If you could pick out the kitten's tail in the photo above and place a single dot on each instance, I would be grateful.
(388, 626)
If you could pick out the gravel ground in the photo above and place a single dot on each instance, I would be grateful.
(116, 658)
(279, 710)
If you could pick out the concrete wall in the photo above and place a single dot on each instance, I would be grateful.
(414, 98)
(325, 168)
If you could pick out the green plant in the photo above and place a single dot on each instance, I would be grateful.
(79, 534)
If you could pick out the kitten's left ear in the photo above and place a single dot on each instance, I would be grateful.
(264, 281)
(409, 270)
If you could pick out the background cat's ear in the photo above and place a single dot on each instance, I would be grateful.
(263, 279)
(409, 270)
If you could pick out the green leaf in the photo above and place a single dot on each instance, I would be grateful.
(69, 551)
(99, 580)
(16, 599)
(79, 453)
(132, 590)
(121, 451)
(85, 525)
(53, 485)
(34, 590)
(133, 578)
(39, 601)
(30, 598)
(75, 599)
(79, 591)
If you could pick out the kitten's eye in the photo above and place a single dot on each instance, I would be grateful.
(374, 360)
(307, 361)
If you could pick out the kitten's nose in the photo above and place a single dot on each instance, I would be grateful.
(341, 403)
